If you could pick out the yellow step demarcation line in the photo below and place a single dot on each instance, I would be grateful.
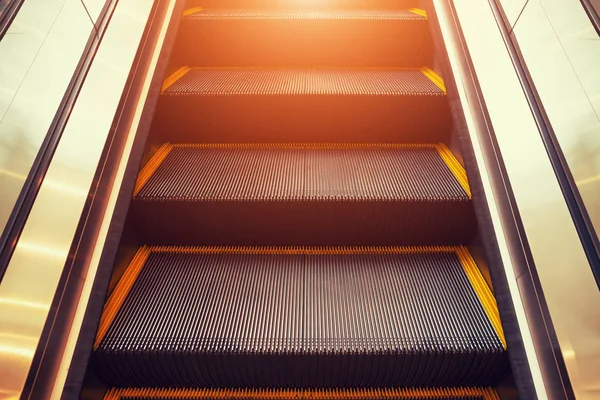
(321, 250)
(193, 10)
(174, 77)
(117, 297)
(486, 297)
(418, 11)
(299, 145)
(434, 77)
(457, 169)
(151, 167)
(297, 394)
(312, 67)
(134, 268)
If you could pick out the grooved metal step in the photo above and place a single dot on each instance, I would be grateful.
(291, 394)
(301, 81)
(303, 194)
(268, 104)
(280, 36)
(227, 317)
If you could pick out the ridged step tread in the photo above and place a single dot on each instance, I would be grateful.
(350, 37)
(301, 317)
(320, 104)
(303, 194)
(328, 394)
(302, 81)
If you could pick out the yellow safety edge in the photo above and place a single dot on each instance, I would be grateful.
(314, 394)
(328, 67)
(345, 68)
(292, 145)
(151, 167)
(193, 10)
(418, 11)
(174, 77)
(303, 249)
(457, 169)
(116, 299)
(434, 77)
(486, 297)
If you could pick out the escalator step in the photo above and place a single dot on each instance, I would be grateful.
(319, 104)
(233, 81)
(235, 317)
(302, 194)
(305, 172)
(291, 394)
(350, 37)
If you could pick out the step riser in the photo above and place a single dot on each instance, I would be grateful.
(303, 223)
(302, 118)
(372, 43)
(238, 371)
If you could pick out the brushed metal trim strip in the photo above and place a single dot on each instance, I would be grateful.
(94, 262)
(457, 64)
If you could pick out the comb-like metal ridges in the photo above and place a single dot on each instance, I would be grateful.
(304, 81)
(304, 394)
(203, 318)
(303, 173)
(291, 14)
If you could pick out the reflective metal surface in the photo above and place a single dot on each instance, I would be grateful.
(110, 208)
(483, 39)
(566, 277)
(562, 51)
(94, 7)
(513, 9)
(32, 275)
(3, 6)
(39, 54)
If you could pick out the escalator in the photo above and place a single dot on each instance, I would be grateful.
(302, 225)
